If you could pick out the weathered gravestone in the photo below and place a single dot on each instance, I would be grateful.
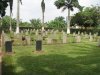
(74, 34)
(99, 41)
(64, 37)
(28, 40)
(78, 32)
(54, 37)
(74, 37)
(95, 36)
(37, 32)
(78, 38)
(17, 39)
(90, 37)
(86, 36)
(23, 40)
(49, 38)
(82, 34)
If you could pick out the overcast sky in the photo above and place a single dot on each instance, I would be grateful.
(31, 9)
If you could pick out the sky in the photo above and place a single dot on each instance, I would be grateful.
(31, 9)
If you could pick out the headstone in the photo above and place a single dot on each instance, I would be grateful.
(46, 33)
(74, 34)
(22, 31)
(39, 36)
(6, 38)
(78, 32)
(99, 41)
(27, 32)
(23, 40)
(86, 36)
(95, 36)
(54, 37)
(49, 38)
(82, 34)
(64, 37)
(36, 32)
(17, 39)
(78, 39)
(90, 37)
(28, 40)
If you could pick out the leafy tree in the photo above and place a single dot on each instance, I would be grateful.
(57, 23)
(77, 19)
(3, 6)
(68, 4)
(25, 24)
(5, 23)
(89, 17)
(36, 23)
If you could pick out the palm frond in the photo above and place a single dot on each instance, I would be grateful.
(21, 1)
(68, 1)
(64, 8)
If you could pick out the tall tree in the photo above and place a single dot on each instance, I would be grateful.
(18, 15)
(43, 11)
(67, 4)
(11, 5)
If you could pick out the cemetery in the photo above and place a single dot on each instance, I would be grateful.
(55, 47)
(78, 52)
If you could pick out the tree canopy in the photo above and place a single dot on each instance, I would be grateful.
(62, 3)
(36, 23)
(57, 23)
(3, 6)
(89, 17)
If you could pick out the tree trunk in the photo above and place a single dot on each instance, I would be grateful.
(0, 56)
(18, 10)
(68, 22)
(1, 46)
(42, 21)
(10, 22)
(0, 64)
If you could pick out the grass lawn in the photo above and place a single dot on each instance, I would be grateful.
(60, 59)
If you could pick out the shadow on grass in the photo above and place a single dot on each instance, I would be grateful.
(8, 67)
(59, 65)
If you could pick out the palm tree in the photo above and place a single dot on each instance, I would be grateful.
(18, 15)
(43, 11)
(11, 5)
(68, 4)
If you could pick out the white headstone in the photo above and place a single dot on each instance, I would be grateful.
(64, 37)
(28, 40)
(90, 37)
(78, 38)
(99, 41)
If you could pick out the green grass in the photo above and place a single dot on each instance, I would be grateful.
(57, 59)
